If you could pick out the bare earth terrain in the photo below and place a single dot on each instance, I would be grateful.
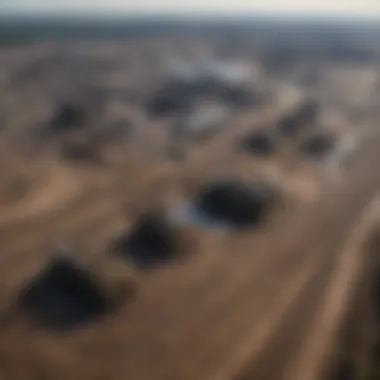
(278, 282)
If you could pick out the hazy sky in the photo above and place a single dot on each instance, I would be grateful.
(331, 7)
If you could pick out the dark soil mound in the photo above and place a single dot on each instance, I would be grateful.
(234, 204)
(179, 94)
(307, 112)
(170, 99)
(151, 241)
(63, 295)
(292, 123)
(258, 144)
(81, 152)
(289, 126)
(317, 146)
(241, 97)
(68, 117)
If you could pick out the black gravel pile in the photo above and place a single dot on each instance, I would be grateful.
(63, 295)
(151, 241)
(234, 204)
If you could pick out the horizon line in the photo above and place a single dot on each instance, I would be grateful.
(185, 13)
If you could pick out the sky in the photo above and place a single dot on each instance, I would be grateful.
(364, 8)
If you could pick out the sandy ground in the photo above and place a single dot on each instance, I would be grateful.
(266, 303)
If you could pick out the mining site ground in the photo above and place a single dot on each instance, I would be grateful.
(291, 297)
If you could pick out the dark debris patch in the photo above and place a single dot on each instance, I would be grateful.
(74, 151)
(171, 99)
(259, 143)
(63, 296)
(152, 241)
(303, 116)
(307, 112)
(179, 94)
(289, 125)
(234, 204)
(116, 131)
(67, 117)
(317, 146)
(241, 97)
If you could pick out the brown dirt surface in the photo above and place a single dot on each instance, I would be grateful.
(265, 303)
